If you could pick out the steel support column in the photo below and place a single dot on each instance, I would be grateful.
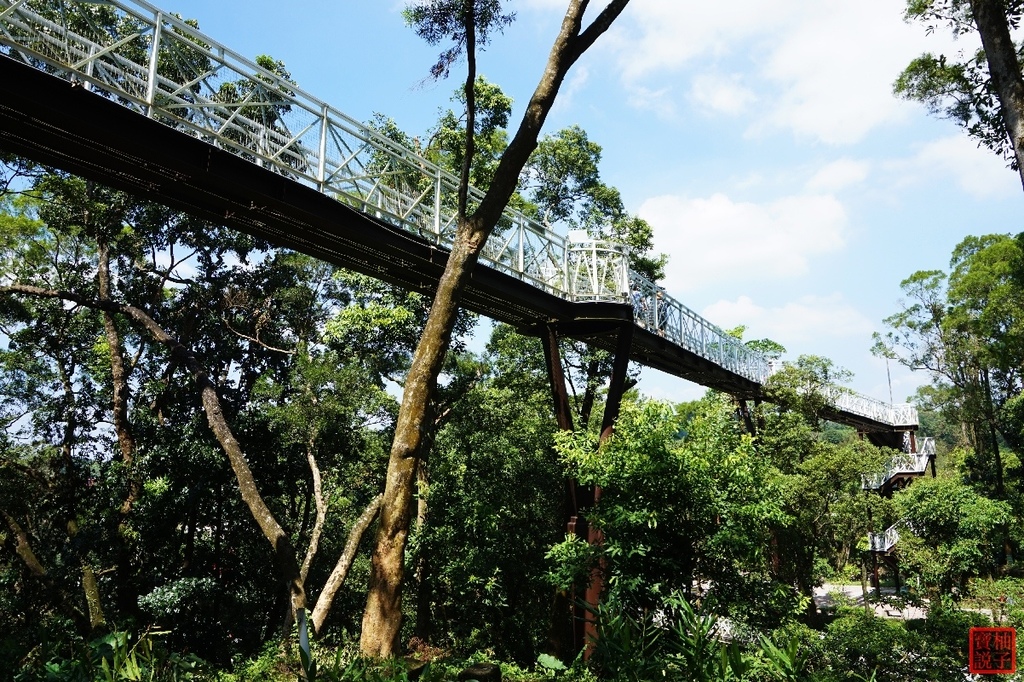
(616, 389)
(566, 638)
(617, 385)
(556, 377)
(743, 411)
(563, 417)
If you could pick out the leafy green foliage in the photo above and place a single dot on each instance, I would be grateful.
(436, 22)
(675, 510)
(119, 657)
(447, 145)
(492, 508)
(562, 182)
(954, 533)
(961, 90)
(868, 647)
(965, 330)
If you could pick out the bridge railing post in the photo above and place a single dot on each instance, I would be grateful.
(321, 165)
(437, 204)
(90, 68)
(521, 227)
(154, 63)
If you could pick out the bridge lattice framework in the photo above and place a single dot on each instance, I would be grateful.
(154, 64)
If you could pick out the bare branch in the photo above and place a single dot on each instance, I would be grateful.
(321, 509)
(340, 572)
(253, 339)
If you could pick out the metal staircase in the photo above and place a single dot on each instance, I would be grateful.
(898, 473)
(884, 542)
(900, 469)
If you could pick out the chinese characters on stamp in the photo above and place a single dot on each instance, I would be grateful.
(993, 651)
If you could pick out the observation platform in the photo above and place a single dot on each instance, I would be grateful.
(128, 95)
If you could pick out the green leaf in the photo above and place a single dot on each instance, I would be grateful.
(550, 662)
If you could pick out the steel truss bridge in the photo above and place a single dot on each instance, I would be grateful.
(129, 95)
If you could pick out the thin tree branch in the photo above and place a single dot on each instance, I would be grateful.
(254, 339)
(321, 509)
(340, 572)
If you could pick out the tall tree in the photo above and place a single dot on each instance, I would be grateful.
(463, 22)
(985, 93)
(967, 331)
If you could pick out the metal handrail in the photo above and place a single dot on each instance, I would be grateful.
(876, 410)
(903, 464)
(928, 446)
(885, 541)
(154, 63)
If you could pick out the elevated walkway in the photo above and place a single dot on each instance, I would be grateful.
(125, 94)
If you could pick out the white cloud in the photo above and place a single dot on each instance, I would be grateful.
(808, 318)
(659, 101)
(721, 94)
(824, 68)
(835, 68)
(838, 175)
(666, 34)
(978, 172)
(717, 239)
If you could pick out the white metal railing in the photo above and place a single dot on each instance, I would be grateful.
(154, 63)
(876, 410)
(655, 310)
(903, 464)
(928, 446)
(599, 268)
(885, 541)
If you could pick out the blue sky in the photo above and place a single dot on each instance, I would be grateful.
(790, 189)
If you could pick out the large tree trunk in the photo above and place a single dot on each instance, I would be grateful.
(22, 546)
(91, 589)
(127, 596)
(990, 417)
(382, 617)
(70, 484)
(1003, 66)
(119, 377)
(383, 614)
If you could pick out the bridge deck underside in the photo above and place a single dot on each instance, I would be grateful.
(58, 123)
